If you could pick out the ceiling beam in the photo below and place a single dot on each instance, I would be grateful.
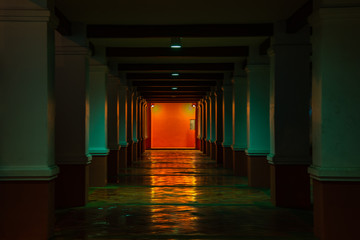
(174, 99)
(202, 30)
(174, 92)
(167, 89)
(177, 67)
(64, 25)
(174, 83)
(300, 18)
(240, 51)
(167, 76)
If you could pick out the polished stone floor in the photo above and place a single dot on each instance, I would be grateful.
(181, 194)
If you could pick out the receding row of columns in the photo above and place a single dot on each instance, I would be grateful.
(68, 120)
(290, 127)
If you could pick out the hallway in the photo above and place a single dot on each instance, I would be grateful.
(174, 194)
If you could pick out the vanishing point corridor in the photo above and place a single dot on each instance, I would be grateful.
(181, 194)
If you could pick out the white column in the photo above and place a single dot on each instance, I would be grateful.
(227, 121)
(258, 129)
(98, 146)
(335, 118)
(72, 99)
(72, 118)
(239, 121)
(27, 92)
(98, 110)
(27, 113)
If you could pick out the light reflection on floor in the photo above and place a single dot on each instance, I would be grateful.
(181, 195)
(185, 217)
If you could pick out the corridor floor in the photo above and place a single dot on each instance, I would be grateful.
(174, 194)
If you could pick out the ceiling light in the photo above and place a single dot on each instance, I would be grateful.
(175, 42)
(174, 88)
(175, 74)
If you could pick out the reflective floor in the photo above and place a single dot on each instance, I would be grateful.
(181, 194)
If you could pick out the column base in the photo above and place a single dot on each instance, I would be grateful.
(130, 154)
(98, 171)
(228, 157)
(198, 144)
(135, 151)
(203, 146)
(240, 163)
(290, 186)
(219, 154)
(213, 150)
(208, 148)
(143, 146)
(113, 166)
(27, 209)
(71, 186)
(336, 210)
(123, 157)
(139, 148)
(258, 172)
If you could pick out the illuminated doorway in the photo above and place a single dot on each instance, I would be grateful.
(173, 125)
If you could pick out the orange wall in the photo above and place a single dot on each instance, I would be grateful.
(170, 125)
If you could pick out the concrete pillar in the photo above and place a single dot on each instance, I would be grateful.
(219, 125)
(208, 124)
(113, 82)
(335, 119)
(27, 165)
(98, 125)
(289, 110)
(227, 121)
(135, 124)
(202, 126)
(130, 121)
(72, 118)
(122, 89)
(213, 101)
(239, 121)
(258, 129)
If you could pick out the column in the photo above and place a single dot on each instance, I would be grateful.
(208, 124)
(227, 121)
(143, 125)
(135, 124)
(98, 126)
(130, 117)
(335, 169)
(239, 121)
(27, 165)
(72, 118)
(113, 82)
(289, 118)
(197, 127)
(219, 124)
(213, 117)
(140, 123)
(202, 126)
(258, 126)
(122, 89)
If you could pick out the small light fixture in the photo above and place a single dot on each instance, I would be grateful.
(175, 42)
(194, 105)
(152, 105)
(175, 74)
(174, 88)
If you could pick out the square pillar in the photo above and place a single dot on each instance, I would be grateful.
(227, 121)
(335, 169)
(239, 119)
(289, 117)
(27, 162)
(72, 118)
